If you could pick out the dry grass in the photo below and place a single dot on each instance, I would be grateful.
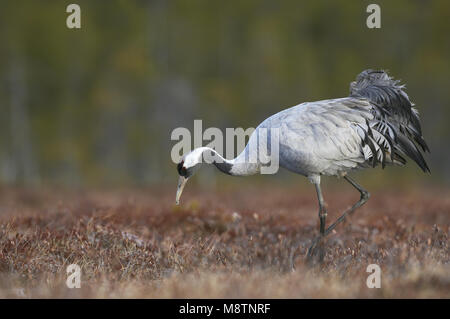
(238, 244)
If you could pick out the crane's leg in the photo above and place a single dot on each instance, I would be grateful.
(365, 195)
(322, 215)
(322, 219)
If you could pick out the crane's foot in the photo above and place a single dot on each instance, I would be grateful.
(316, 249)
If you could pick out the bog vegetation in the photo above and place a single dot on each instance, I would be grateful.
(246, 243)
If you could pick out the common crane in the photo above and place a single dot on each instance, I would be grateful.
(375, 125)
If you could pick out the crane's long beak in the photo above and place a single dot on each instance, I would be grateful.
(181, 182)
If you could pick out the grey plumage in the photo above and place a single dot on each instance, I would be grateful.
(375, 125)
(396, 119)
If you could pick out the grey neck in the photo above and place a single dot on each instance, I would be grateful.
(236, 167)
(224, 167)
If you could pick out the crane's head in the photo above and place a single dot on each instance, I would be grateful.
(187, 167)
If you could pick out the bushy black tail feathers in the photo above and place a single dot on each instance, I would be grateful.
(395, 116)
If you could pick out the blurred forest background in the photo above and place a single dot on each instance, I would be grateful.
(96, 106)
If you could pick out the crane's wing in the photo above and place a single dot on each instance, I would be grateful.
(377, 124)
(340, 131)
(396, 117)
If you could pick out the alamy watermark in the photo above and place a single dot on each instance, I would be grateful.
(374, 279)
(374, 19)
(74, 276)
(73, 21)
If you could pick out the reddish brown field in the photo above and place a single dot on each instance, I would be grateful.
(248, 242)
